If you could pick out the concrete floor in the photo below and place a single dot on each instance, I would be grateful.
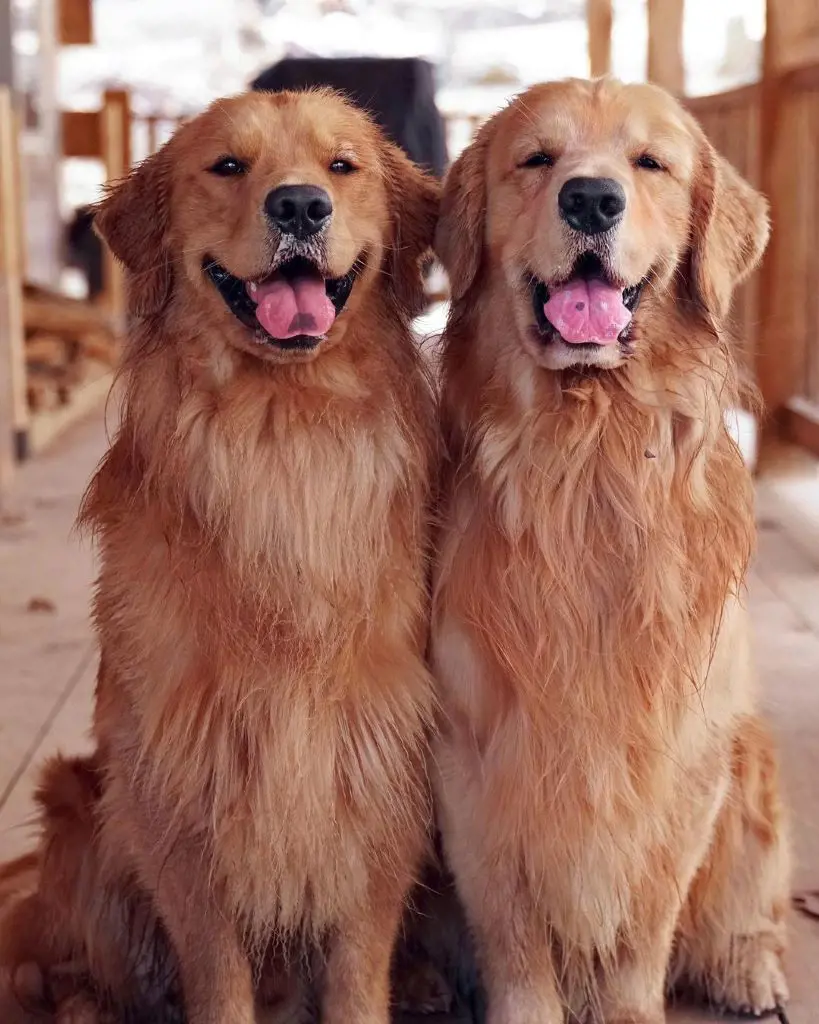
(48, 661)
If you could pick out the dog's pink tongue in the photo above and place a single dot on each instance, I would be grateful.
(587, 311)
(286, 308)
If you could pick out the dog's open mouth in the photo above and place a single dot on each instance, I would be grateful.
(293, 307)
(586, 309)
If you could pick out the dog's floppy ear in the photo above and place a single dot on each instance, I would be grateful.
(459, 239)
(413, 200)
(133, 218)
(729, 231)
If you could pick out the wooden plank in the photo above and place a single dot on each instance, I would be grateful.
(774, 385)
(665, 44)
(793, 31)
(52, 313)
(116, 155)
(82, 134)
(809, 385)
(785, 179)
(22, 196)
(7, 425)
(731, 122)
(104, 135)
(152, 123)
(12, 351)
(599, 18)
(47, 425)
(116, 133)
(741, 97)
(74, 22)
(783, 282)
(800, 424)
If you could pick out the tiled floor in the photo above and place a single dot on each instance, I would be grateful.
(47, 658)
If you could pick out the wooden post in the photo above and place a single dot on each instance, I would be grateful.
(792, 34)
(665, 44)
(153, 137)
(789, 147)
(599, 18)
(74, 22)
(13, 406)
(116, 155)
(6, 413)
(6, 70)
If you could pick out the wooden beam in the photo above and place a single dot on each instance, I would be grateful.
(599, 18)
(6, 52)
(116, 133)
(152, 143)
(116, 145)
(13, 406)
(800, 420)
(665, 44)
(82, 134)
(786, 141)
(74, 23)
(794, 33)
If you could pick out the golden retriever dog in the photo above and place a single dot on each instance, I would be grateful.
(80, 941)
(263, 708)
(608, 794)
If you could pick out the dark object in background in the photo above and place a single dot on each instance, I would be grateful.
(435, 955)
(398, 92)
(84, 249)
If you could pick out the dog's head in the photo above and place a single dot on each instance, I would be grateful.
(590, 204)
(270, 216)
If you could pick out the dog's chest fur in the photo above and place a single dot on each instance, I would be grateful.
(270, 645)
(573, 670)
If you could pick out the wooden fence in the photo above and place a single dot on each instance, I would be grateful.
(57, 353)
(733, 122)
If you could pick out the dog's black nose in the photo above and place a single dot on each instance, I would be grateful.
(298, 210)
(591, 205)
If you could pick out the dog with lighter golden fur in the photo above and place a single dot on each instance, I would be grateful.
(263, 707)
(608, 792)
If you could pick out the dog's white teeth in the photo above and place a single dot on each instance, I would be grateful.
(252, 289)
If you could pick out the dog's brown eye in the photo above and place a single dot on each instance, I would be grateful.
(228, 167)
(648, 163)
(538, 160)
(342, 167)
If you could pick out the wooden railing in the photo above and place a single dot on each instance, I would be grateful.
(731, 121)
(117, 137)
(792, 282)
(56, 352)
(13, 412)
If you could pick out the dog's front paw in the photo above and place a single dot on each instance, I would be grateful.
(755, 984)
(422, 989)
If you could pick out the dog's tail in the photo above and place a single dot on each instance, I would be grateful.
(18, 878)
(38, 891)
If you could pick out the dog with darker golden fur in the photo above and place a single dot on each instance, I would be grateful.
(608, 793)
(263, 708)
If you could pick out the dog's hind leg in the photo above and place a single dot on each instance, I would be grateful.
(731, 937)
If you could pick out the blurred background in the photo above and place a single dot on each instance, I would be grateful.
(89, 87)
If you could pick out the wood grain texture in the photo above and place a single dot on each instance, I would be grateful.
(665, 44)
(789, 306)
(13, 409)
(731, 120)
(599, 18)
(75, 22)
